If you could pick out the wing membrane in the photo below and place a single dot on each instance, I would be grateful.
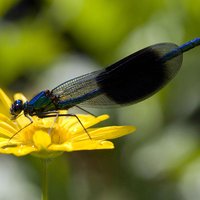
(128, 81)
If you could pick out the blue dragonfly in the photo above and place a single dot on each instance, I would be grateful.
(128, 81)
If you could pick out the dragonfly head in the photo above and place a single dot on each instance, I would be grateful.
(16, 108)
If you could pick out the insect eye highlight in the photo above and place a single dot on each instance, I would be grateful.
(17, 107)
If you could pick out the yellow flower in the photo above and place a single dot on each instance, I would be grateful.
(67, 134)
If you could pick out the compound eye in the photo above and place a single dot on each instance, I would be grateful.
(17, 107)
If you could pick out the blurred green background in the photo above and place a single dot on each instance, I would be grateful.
(44, 43)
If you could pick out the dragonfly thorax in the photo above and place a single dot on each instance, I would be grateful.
(16, 108)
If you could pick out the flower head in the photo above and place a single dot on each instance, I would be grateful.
(67, 133)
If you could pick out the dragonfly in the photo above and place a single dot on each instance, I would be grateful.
(126, 82)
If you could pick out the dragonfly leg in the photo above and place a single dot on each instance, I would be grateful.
(31, 121)
(56, 115)
(85, 111)
(73, 115)
(54, 121)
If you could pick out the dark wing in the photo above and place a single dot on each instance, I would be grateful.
(128, 81)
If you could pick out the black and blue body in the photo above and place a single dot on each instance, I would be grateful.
(128, 81)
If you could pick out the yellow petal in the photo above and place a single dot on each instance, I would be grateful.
(112, 132)
(3, 141)
(22, 121)
(104, 133)
(9, 129)
(96, 120)
(5, 133)
(18, 151)
(8, 121)
(20, 96)
(86, 120)
(6, 101)
(83, 145)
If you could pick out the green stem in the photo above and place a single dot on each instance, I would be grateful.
(45, 179)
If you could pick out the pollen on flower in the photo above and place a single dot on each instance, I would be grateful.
(47, 138)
